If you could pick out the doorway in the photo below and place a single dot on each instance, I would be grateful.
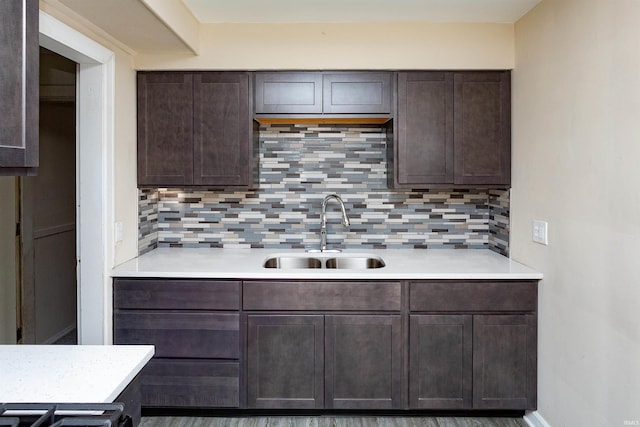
(47, 209)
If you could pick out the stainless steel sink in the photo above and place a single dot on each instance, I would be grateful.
(355, 262)
(292, 262)
(320, 260)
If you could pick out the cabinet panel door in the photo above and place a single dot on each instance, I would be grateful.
(424, 149)
(288, 93)
(222, 129)
(357, 93)
(181, 334)
(363, 362)
(504, 362)
(285, 361)
(165, 129)
(188, 383)
(19, 89)
(440, 362)
(482, 128)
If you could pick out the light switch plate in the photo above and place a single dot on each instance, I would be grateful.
(540, 232)
(118, 231)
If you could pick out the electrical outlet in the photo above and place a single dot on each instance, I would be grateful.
(540, 232)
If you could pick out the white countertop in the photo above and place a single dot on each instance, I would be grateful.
(68, 373)
(401, 264)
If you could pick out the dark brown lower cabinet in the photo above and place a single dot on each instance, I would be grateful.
(504, 361)
(190, 383)
(331, 362)
(440, 361)
(363, 362)
(285, 361)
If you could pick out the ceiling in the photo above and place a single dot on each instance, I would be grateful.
(353, 11)
(136, 25)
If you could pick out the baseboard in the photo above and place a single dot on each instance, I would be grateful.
(60, 334)
(534, 419)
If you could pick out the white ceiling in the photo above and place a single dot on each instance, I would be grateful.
(353, 11)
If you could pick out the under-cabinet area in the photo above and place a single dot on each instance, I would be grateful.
(335, 343)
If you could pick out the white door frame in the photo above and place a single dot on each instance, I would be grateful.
(94, 172)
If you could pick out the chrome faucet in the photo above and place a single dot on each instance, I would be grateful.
(323, 219)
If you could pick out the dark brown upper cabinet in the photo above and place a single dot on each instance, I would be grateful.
(453, 130)
(323, 95)
(19, 56)
(195, 129)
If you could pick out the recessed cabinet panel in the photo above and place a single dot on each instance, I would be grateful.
(165, 129)
(483, 128)
(285, 361)
(425, 128)
(288, 92)
(504, 362)
(222, 129)
(440, 361)
(357, 93)
(363, 362)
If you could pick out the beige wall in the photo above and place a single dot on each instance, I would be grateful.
(576, 151)
(344, 46)
(7, 261)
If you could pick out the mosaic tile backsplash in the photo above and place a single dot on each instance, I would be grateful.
(299, 166)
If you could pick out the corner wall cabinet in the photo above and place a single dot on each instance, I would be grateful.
(19, 86)
(453, 129)
(333, 345)
(195, 129)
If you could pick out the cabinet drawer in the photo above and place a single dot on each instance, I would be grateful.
(190, 383)
(356, 296)
(176, 294)
(474, 296)
(190, 335)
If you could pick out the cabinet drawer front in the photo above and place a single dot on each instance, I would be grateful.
(176, 294)
(357, 296)
(190, 384)
(474, 296)
(194, 335)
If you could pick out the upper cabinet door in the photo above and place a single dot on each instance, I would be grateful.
(222, 129)
(424, 149)
(482, 128)
(19, 56)
(357, 93)
(289, 93)
(165, 129)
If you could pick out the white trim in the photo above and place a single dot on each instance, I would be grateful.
(534, 419)
(95, 145)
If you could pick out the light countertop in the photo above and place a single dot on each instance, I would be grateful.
(461, 264)
(68, 373)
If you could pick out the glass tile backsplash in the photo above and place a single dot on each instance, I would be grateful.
(299, 166)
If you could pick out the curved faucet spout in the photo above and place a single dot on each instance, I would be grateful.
(323, 219)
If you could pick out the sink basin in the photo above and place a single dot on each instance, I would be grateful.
(292, 262)
(324, 260)
(355, 262)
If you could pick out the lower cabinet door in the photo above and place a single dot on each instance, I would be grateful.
(189, 383)
(363, 358)
(285, 361)
(504, 361)
(440, 361)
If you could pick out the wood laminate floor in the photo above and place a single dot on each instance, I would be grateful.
(331, 421)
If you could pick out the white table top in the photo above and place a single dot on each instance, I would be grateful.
(68, 373)
(439, 264)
